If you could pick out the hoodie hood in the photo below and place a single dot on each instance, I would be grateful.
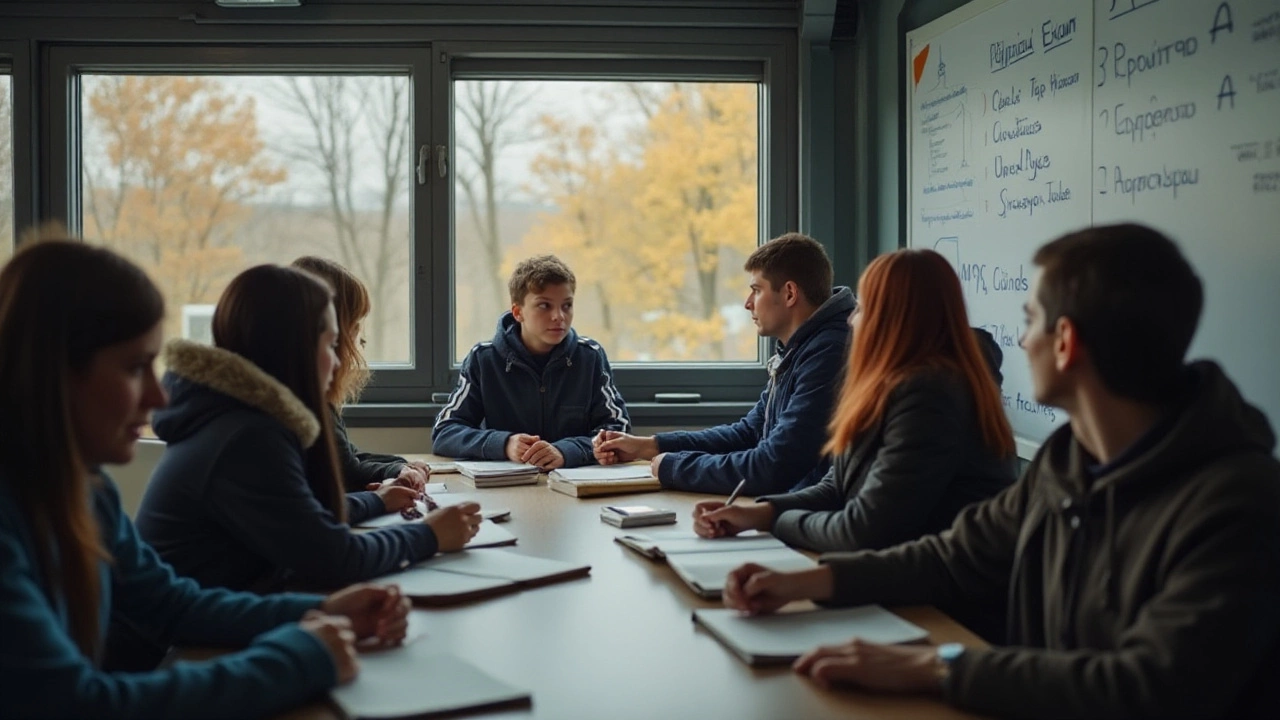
(1213, 420)
(206, 382)
(506, 340)
(832, 314)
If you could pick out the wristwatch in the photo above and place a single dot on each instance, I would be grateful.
(947, 654)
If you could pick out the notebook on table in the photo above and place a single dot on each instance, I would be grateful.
(490, 535)
(418, 680)
(603, 480)
(439, 494)
(703, 564)
(497, 473)
(783, 637)
(473, 574)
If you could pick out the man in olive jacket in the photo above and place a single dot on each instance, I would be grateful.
(1140, 552)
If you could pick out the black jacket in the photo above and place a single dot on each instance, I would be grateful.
(1150, 590)
(229, 503)
(907, 476)
(360, 468)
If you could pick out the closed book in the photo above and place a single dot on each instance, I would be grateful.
(417, 680)
(782, 637)
(598, 480)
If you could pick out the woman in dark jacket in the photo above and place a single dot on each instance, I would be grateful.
(918, 431)
(360, 470)
(249, 491)
(79, 330)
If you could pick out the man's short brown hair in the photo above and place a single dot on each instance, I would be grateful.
(534, 274)
(1134, 300)
(796, 258)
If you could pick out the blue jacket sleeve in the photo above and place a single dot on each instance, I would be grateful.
(741, 435)
(147, 592)
(912, 468)
(45, 674)
(364, 505)
(779, 460)
(457, 432)
(608, 411)
(261, 496)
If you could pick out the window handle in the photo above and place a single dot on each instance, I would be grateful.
(424, 154)
(442, 160)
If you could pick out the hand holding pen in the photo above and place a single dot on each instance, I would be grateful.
(715, 519)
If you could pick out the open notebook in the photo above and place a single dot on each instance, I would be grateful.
(603, 480)
(418, 680)
(781, 638)
(703, 564)
(472, 574)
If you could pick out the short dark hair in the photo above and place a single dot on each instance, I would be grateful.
(534, 274)
(797, 258)
(1134, 299)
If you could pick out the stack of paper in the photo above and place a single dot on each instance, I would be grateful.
(781, 638)
(417, 680)
(703, 564)
(603, 480)
(473, 574)
(497, 473)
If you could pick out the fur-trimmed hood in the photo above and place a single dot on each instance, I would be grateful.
(204, 382)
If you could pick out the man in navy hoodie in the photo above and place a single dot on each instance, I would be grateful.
(538, 391)
(777, 447)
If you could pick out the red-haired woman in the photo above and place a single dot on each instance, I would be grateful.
(918, 431)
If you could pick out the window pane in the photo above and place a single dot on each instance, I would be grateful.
(199, 177)
(648, 190)
(6, 166)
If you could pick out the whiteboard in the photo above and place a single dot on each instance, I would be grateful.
(1028, 119)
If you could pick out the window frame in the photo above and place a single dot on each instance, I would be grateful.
(731, 386)
(67, 64)
(15, 57)
(404, 395)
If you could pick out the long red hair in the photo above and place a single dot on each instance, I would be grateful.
(913, 318)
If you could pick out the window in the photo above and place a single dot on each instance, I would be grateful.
(197, 177)
(429, 171)
(647, 190)
(6, 166)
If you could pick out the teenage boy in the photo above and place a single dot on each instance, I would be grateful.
(777, 447)
(1139, 553)
(538, 391)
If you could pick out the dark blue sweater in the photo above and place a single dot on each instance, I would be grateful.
(44, 674)
(501, 392)
(229, 504)
(777, 447)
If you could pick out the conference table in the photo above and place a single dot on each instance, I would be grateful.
(620, 643)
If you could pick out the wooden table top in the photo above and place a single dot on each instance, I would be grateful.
(621, 643)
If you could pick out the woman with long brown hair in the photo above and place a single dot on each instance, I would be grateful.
(360, 470)
(249, 491)
(79, 330)
(918, 431)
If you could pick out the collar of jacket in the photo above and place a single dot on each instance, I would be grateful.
(236, 377)
(835, 310)
(509, 344)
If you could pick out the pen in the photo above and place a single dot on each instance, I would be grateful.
(734, 495)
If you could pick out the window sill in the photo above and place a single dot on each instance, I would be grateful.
(643, 414)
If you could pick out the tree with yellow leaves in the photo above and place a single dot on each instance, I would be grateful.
(657, 236)
(178, 157)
